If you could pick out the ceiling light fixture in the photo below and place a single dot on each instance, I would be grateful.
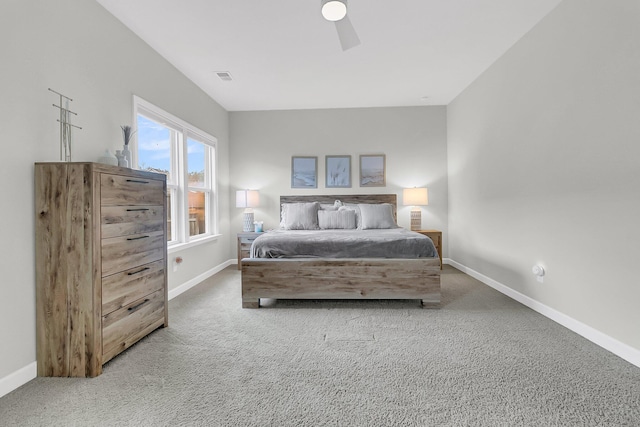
(334, 10)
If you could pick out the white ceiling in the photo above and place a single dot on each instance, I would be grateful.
(283, 55)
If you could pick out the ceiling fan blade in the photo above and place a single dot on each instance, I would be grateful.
(346, 33)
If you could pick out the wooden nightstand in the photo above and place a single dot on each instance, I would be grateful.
(245, 240)
(436, 236)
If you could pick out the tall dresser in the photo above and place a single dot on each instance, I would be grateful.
(101, 263)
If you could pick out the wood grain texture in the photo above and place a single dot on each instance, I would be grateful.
(166, 270)
(127, 286)
(345, 198)
(125, 220)
(128, 190)
(124, 327)
(69, 261)
(436, 237)
(125, 252)
(352, 278)
(64, 264)
(245, 240)
(346, 278)
(95, 361)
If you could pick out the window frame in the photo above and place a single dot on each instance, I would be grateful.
(209, 180)
(177, 184)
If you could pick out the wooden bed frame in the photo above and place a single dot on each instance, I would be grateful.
(341, 278)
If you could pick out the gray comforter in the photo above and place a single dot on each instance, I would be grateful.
(387, 243)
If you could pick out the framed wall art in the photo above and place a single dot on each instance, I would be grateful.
(338, 171)
(304, 172)
(372, 170)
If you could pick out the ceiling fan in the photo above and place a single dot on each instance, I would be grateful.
(336, 11)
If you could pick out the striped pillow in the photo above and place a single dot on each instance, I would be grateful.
(330, 220)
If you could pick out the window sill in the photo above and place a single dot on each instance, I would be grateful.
(180, 246)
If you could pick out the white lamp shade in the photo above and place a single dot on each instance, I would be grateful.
(415, 197)
(334, 10)
(247, 198)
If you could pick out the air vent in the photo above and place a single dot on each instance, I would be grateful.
(225, 76)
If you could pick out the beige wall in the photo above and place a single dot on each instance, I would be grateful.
(544, 161)
(412, 138)
(79, 49)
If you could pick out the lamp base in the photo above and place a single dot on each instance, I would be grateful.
(416, 219)
(247, 221)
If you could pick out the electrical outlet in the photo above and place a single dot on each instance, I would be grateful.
(539, 272)
(176, 262)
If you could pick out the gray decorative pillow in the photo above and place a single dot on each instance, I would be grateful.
(356, 209)
(300, 216)
(330, 220)
(328, 207)
(377, 216)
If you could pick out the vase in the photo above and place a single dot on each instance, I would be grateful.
(127, 155)
(122, 161)
(108, 159)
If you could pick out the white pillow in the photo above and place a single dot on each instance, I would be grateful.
(328, 207)
(344, 219)
(300, 216)
(377, 216)
(356, 209)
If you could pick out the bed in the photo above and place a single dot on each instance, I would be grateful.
(290, 276)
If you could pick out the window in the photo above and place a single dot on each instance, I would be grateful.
(186, 155)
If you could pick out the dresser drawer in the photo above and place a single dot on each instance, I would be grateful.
(124, 327)
(124, 253)
(124, 220)
(246, 240)
(128, 286)
(126, 190)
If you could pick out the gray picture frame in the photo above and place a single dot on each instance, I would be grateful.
(373, 170)
(337, 171)
(304, 172)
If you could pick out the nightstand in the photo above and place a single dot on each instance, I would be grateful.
(436, 236)
(245, 240)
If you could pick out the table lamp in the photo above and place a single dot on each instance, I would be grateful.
(247, 199)
(415, 197)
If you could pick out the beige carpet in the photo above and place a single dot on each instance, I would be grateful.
(482, 359)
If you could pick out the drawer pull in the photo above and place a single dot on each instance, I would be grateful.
(137, 238)
(139, 181)
(137, 306)
(137, 209)
(136, 272)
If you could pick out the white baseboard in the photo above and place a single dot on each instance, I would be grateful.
(628, 353)
(18, 378)
(29, 372)
(199, 278)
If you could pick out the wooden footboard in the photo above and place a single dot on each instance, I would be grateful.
(330, 278)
